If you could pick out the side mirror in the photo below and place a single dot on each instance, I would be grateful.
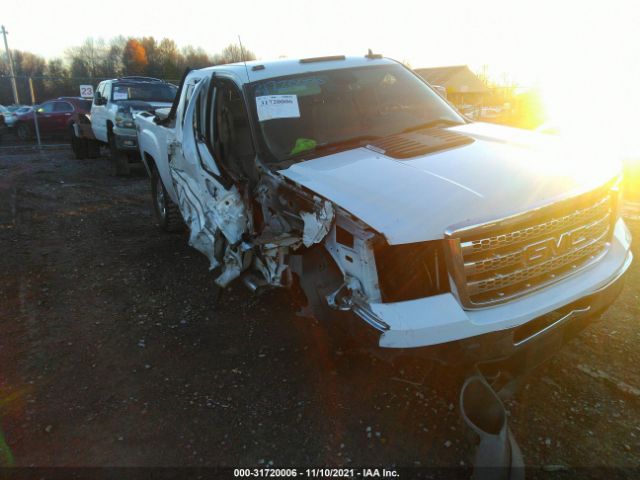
(99, 99)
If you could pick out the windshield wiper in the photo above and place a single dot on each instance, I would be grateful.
(433, 123)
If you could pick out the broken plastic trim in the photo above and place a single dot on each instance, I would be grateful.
(497, 454)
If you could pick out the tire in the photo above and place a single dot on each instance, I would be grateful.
(166, 212)
(119, 159)
(23, 132)
(93, 148)
(80, 146)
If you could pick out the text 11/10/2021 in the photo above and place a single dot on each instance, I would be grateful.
(315, 473)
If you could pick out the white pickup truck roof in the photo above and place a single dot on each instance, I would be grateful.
(261, 70)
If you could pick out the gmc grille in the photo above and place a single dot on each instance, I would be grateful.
(500, 260)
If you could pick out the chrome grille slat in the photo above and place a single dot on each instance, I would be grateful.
(521, 275)
(581, 216)
(503, 259)
(497, 261)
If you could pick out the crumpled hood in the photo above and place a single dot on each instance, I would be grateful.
(504, 171)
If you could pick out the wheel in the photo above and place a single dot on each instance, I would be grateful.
(119, 159)
(166, 212)
(23, 132)
(80, 146)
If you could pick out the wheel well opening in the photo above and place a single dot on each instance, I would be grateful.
(151, 163)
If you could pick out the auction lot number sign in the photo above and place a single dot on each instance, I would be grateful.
(86, 91)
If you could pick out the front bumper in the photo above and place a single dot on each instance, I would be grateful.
(126, 138)
(439, 327)
(534, 342)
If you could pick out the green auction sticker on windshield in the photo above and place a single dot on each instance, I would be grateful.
(277, 106)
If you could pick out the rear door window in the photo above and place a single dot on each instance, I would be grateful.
(231, 134)
(62, 107)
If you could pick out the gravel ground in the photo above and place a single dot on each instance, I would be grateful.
(114, 351)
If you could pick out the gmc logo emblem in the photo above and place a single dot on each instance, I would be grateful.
(544, 250)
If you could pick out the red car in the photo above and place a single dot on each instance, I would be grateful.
(54, 117)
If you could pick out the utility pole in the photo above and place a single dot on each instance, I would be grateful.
(10, 60)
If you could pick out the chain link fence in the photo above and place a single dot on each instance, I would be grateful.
(33, 91)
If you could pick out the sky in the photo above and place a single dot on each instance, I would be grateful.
(575, 50)
(525, 39)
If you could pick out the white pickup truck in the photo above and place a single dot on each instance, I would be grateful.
(113, 104)
(354, 180)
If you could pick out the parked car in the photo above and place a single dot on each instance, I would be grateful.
(112, 122)
(54, 117)
(14, 113)
(3, 125)
(352, 181)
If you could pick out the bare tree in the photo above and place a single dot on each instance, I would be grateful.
(169, 58)
(88, 58)
(233, 53)
(195, 58)
(97, 59)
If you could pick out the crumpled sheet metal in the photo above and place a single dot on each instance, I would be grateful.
(234, 264)
(317, 224)
(207, 216)
(226, 214)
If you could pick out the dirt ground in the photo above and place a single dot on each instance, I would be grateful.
(114, 352)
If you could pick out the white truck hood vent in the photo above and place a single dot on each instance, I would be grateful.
(415, 144)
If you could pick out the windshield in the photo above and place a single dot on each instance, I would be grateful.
(146, 92)
(308, 115)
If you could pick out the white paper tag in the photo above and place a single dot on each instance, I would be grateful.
(120, 95)
(277, 106)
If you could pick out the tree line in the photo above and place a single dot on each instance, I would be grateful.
(95, 60)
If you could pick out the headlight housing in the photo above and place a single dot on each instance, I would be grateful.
(124, 119)
(411, 271)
